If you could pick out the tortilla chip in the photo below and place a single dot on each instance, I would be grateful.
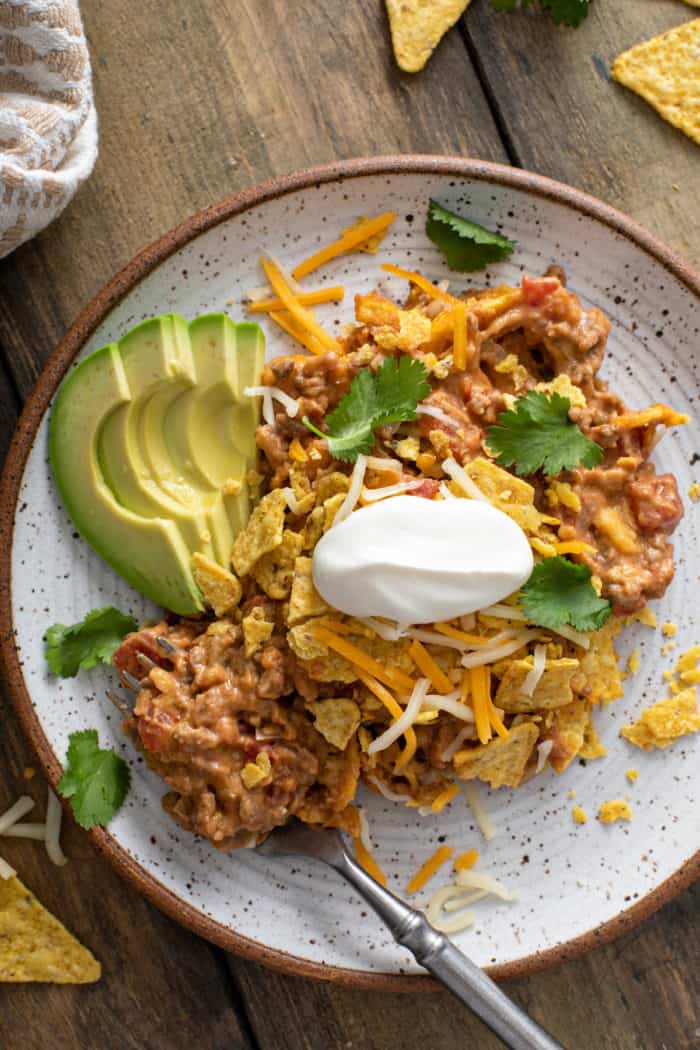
(552, 690)
(568, 733)
(562, 385)
(414, 330)
(331, 508)
(592, 746)
(502, 761)
(221, 590)
(256, 629)
(262, 533)
(331, 485)
(664, 71)
(599, 678)
(313, 528)
(512, 495)
(614, 809)
(305, 601)
(301, 487)
(35, 946)
(661, 724)
(336, 719)
(304, 643)
(254, 773)
(274, 571)
(418, 26)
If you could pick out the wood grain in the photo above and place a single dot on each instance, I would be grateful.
(640, 993)
(564, 116)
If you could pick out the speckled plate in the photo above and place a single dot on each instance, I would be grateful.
(576, 885)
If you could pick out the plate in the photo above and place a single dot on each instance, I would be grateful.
(576, 885)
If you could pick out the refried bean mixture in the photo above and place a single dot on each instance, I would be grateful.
(268, 712)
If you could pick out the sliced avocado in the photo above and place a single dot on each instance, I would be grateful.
(151, 497)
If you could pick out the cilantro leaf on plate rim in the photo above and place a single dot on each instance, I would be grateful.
(466, 245)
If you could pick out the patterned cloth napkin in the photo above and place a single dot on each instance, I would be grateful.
(48, 123)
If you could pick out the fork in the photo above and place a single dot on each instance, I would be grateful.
(411, 929)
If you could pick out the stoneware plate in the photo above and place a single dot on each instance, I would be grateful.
(576, 885)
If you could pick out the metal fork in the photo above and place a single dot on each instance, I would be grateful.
(411, 929)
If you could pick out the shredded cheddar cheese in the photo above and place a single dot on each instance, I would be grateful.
(459, 346)
(420, 282)
(427, 870)
(465, 860)
(425, 663)
(395, 710)
(286, 322)
(334, 294)
(300, 314)
(439, 803)
(573, 547)
(654, 414)
(368, 862)
(479, 681)
(460, 636)
(350, 240)
(389, 675)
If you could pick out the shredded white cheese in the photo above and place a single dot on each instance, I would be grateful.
(452, 704)
(452, 748)
(356, 481)
(373, 495)
(267, 392)
(459, 474)
(508, 612)
(436, 413)
(489, 654)
(445, 492)
(388, 631)
(27, 831)
(404, 721)
(54, 813)
(364, 829)
(543, 752)
(532, 678)
(391, 466)
(21, 807)
(483, 821)
(6, 872)
(392, 796)
(447, 909)
(292, 501)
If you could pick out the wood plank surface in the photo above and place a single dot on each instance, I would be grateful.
(196, 100)
(565, 117)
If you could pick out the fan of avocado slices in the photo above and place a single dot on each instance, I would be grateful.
(151, 442)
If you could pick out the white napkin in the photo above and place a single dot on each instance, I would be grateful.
(48, 123)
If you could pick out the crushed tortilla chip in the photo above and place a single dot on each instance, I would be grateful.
(579, 814)
(600, 680)
(614, 809)
(220, 587)
(35, 946)
(256, 629)
(592, 746)
(552, 690)
(336, 719)
(331, 508)
(330, 486)
(502, 761)
(512, 495)
(418, 26)
(414, 330)
(262, 534)
(569, 731)
(632, 775)
(562, 385)
(274, 571)
(661, 724)
(694, 489)
(664, 71)
(254, 773)
(304, 601)
(313, 528)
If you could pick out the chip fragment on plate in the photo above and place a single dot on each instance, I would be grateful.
(35, 946)
(418, 26)
(665, 72)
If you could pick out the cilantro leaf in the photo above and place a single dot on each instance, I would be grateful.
(466, 245)
(96, 781)
(389, 396)
(560, 592)
(563, 12)
(537, 433)
(82, 645)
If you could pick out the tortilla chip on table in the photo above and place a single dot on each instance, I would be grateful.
(418, 26)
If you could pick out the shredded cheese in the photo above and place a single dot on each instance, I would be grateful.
(356, 482)
(460, 476)
(543, 752)
(384, 463)
(395, 710)
(288, 403)
(425, 663)
(453, 705)
(305, 318)
(387, 738)
(441, 800)
(508, 612)
(430, 868)
(454, 746)
(351, 239)
(6, 871)
(470, 640)
(27, 831)
(332, 294)
(459, 346)
(292, 501)
(421, 282)
(389, 632)
(481, 817)
(374, 495)
(497, 652)
(392, 796)
(479, 682)
(573, 547)
(20, 808)
(434, 911)
(435, 412)
(54, 814)
(391, 676)
(532, 678)
(287, 323)
(367, 861)
(465, 860)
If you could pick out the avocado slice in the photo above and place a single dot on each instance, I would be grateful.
(149, 497)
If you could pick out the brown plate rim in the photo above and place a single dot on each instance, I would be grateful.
(39, 400)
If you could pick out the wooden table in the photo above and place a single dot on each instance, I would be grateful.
(197, 99)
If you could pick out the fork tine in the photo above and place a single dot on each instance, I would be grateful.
(166, 646)
(146, 661)
(120, 704)
(131, 681)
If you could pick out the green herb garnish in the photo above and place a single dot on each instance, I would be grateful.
(390, 395)
(537, 433)
(560, 592)
(96, 781)
(466, 245)
(563, 12)
(83, 645)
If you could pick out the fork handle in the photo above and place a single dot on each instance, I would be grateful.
(444, 960)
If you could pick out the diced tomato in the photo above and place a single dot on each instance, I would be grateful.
(428, 490)
(126, 656)
(155, 729)
(536, 289)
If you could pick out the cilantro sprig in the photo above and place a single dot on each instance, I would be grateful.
(536, 433)
(95, 780)
(82, 645)
(466, 245)
(560, 592)
(390, 395)
(563, 12)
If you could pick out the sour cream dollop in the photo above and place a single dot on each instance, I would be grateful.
(415, 560)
